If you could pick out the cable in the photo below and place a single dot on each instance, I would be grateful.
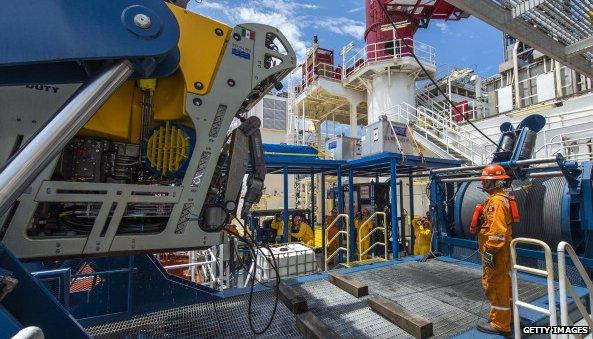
(250, 241)
(411, 51)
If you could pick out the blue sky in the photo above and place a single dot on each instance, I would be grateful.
(466, 43)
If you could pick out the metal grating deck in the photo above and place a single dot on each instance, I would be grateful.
(448, 294)
(222, 318)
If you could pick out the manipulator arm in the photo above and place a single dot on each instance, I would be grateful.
(224, 195)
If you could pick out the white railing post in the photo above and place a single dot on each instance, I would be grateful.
(548, 274)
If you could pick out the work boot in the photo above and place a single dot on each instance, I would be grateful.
(484, 326)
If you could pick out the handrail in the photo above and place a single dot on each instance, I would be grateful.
(548, 273)
(376, 229)
(471, 153)
(565, 285)
(378, 51)
(340, 232)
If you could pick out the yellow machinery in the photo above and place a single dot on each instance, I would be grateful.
(153, 169)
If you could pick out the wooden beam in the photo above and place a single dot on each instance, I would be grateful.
(349, 284)
(293, 301)
(311, 327)
(413, 323)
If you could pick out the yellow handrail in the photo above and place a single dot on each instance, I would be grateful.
(376, 229)
(341, 232)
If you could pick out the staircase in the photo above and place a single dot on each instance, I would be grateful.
(425, 99)
(439, 134)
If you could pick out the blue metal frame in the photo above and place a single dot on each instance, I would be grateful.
(50, 42)
(63, 276)
(393, 208)
(285, 234)
(30, 303)
(352, 230)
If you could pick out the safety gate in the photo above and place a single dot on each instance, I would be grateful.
(339, 237)
(359, 240)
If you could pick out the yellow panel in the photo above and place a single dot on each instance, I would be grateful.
(169, 98)
(113, 119)
(200, 47)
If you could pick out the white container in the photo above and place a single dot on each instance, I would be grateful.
(291, 260)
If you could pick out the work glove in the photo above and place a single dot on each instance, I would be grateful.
(488, 259)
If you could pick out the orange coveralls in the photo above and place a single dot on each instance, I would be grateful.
(495, 237)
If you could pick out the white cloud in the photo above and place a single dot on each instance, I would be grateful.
(354, 10)
(282, 14)
(442, 26)
(343, 26)
(211, 5)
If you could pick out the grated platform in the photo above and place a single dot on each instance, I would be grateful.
(222, 318)
(448, 294)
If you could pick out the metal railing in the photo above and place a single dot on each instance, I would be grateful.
(436, 127)
(548, 274)
(565, 285)
(318, 70)
(386, 50)
(362, 254)
(336, 237)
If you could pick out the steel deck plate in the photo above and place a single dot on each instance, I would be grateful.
(448, 294)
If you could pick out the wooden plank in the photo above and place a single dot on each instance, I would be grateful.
(311, 327)
(295, 302)
(413, 323)
(349, 284)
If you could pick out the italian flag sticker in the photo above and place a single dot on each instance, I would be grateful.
(248, 34)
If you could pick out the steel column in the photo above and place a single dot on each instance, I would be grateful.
(285, 233)
(402, 218)
(352, 230)
(393, 208)
(340, 194)
(412, 233)
(27, 164)
(323, 225)
(312, 214)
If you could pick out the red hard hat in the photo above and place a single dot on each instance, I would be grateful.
(494, 172)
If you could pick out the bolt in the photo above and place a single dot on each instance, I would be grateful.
(218, 32)
(142, 21)
(231, 82)
(237, 36)
(197, 102)
(198, 85)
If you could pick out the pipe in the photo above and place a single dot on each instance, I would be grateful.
(480, 167)
(531, 175)
(22, 169)
(516, 75)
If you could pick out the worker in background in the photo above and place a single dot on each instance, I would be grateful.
(277, 227)
(423, 233)
(494, 244)
(301, 231)
(363, 229)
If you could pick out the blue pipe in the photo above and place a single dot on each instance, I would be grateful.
(393, 208)
(285, 233)
(352, 230)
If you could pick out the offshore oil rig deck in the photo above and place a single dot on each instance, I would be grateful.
(445, 291)
(166, 175)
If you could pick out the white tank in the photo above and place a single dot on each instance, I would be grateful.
(388, 91)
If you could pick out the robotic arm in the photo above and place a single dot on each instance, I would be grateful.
(225, 190)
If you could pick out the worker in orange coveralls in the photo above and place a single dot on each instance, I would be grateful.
(494, 242)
